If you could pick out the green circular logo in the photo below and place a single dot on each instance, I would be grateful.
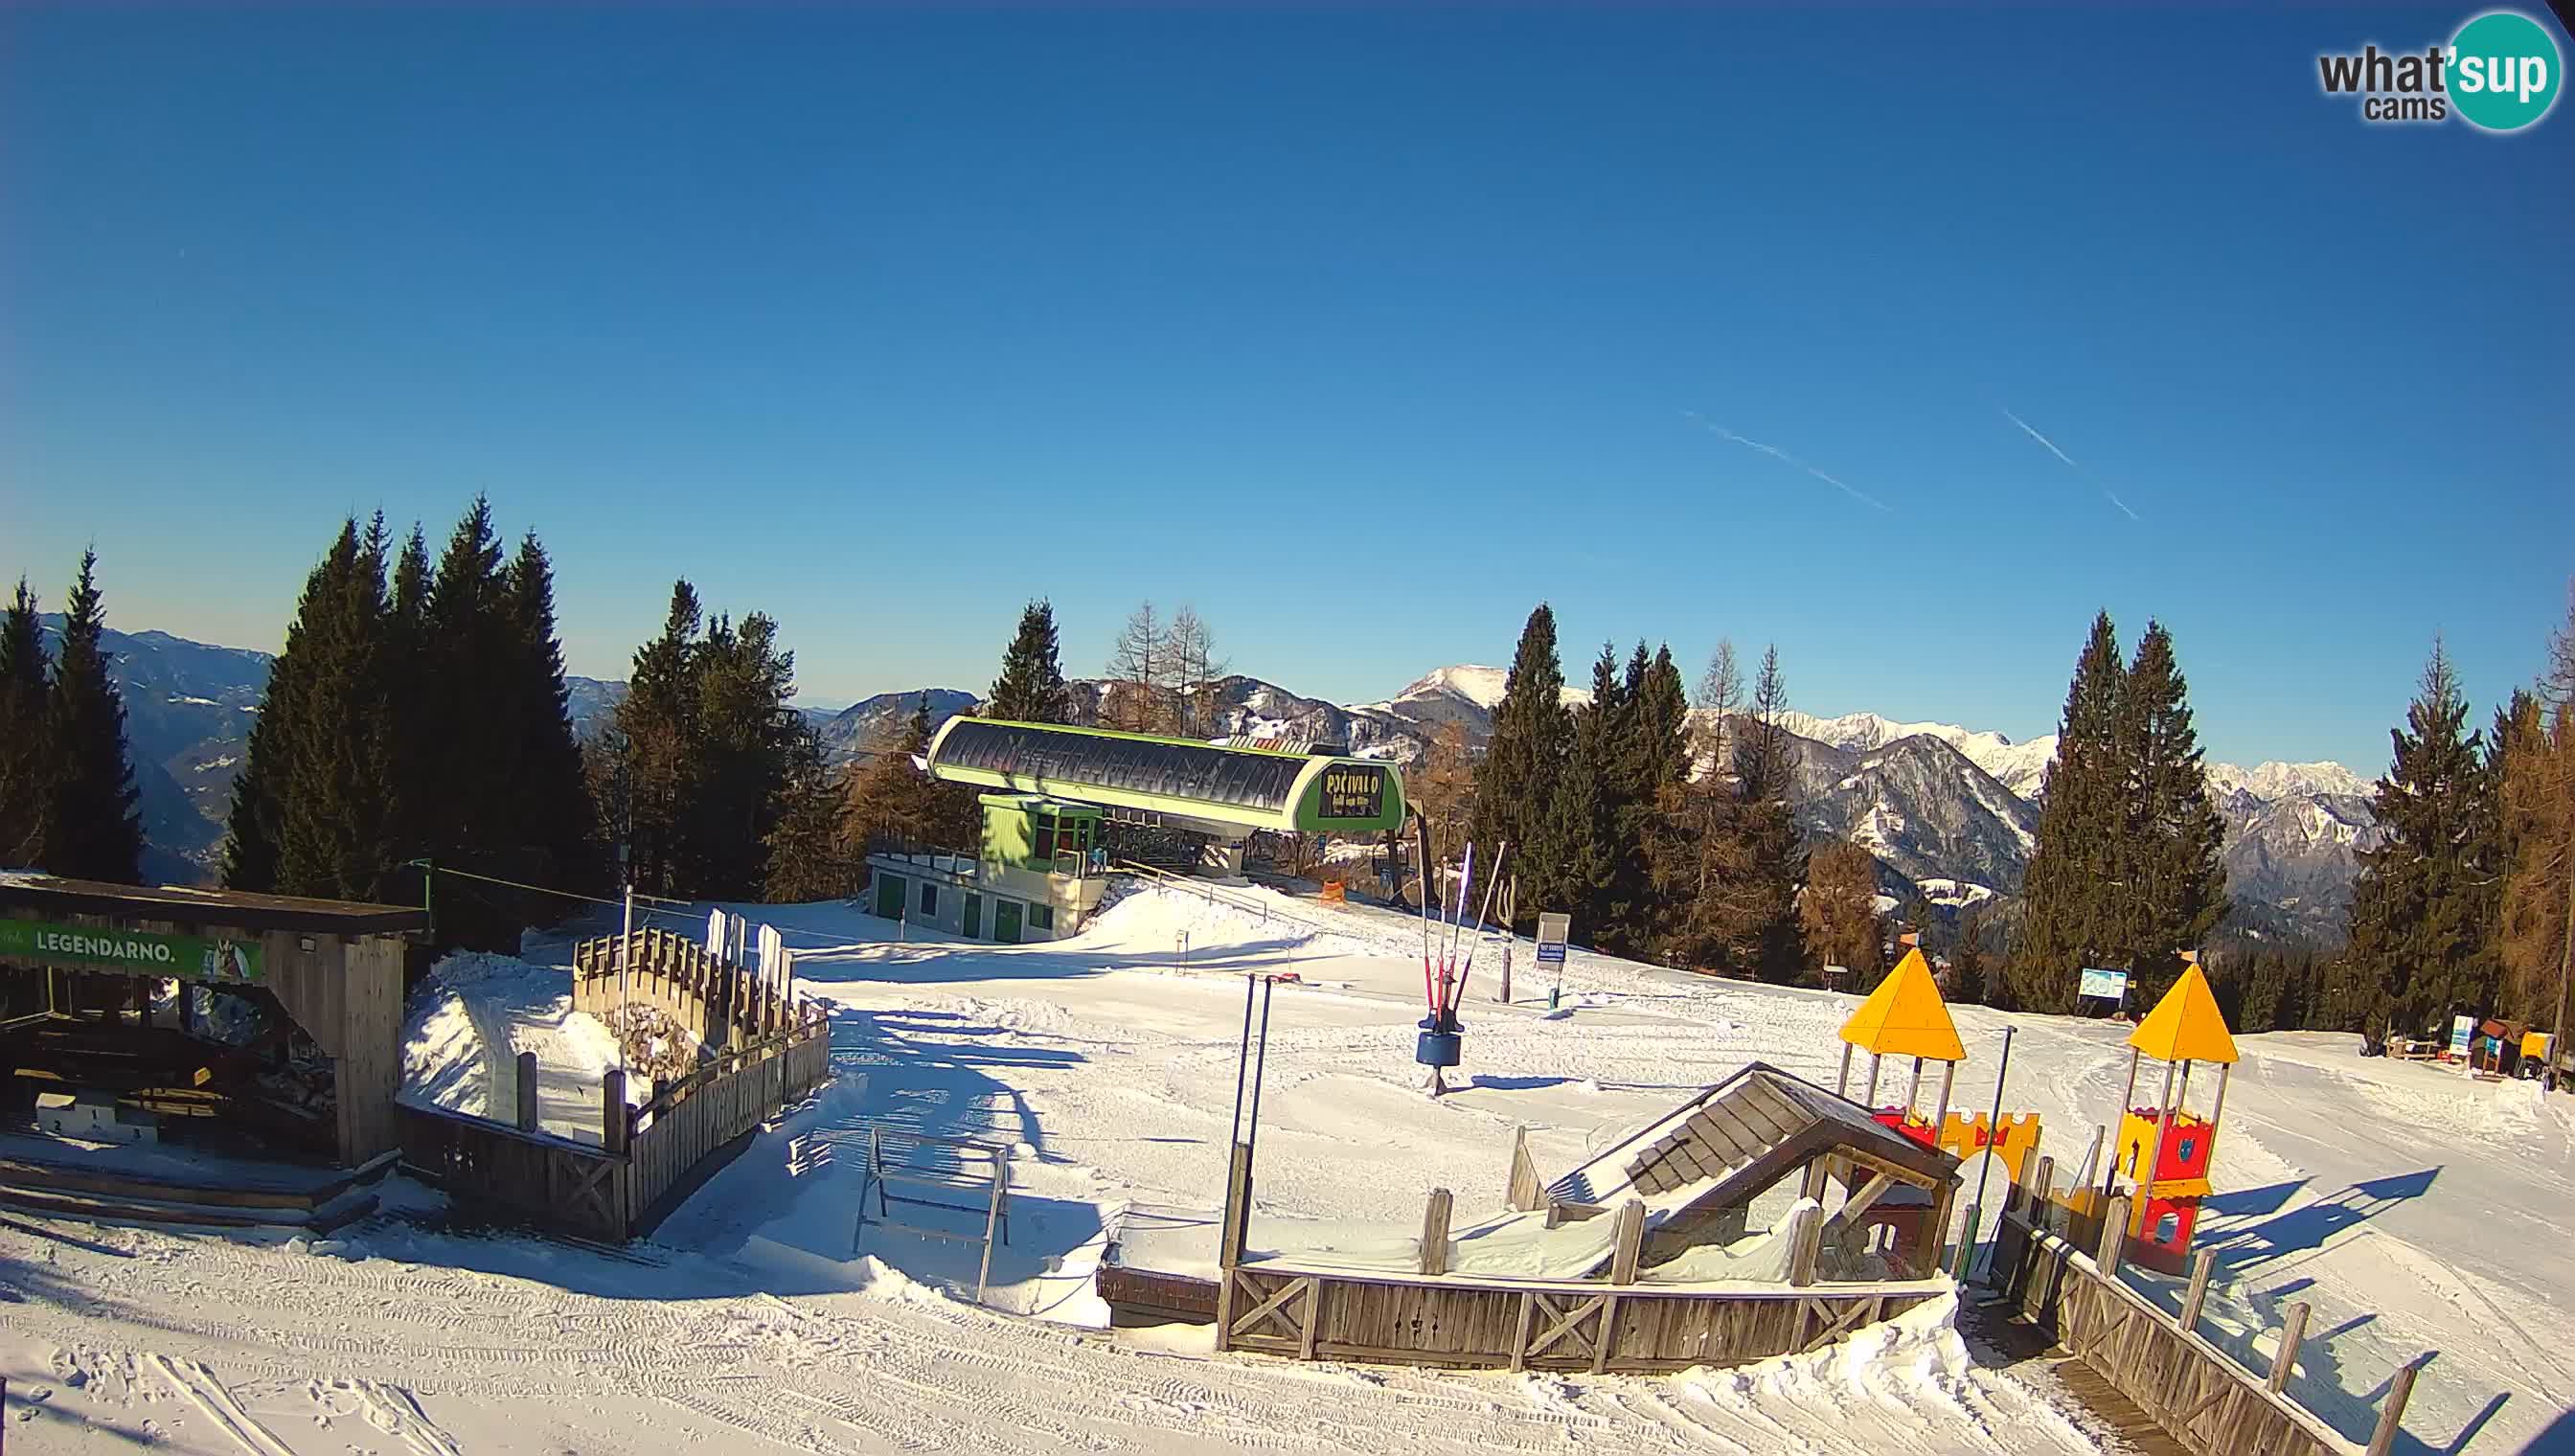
(2505, 71)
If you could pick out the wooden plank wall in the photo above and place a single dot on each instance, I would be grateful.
(370, 1068)
(566, 1186)
(2191, 1388)
(1648, 1330)
(694, 1117)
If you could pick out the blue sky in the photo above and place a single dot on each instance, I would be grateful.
(1361, 331)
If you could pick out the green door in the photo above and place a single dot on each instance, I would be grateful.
(890, 896)
(974, 915)
(1005, 921)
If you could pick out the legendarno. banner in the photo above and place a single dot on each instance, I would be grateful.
(133, 953)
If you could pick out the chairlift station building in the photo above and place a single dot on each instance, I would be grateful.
(1054, 787)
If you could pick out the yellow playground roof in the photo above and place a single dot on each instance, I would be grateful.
(1906, 1016)
(2186, 1025)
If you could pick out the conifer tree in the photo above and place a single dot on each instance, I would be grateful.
(2068, 917)
(1967, 959)
(1759, 913)
(1031, 687)
(2535, 793)
(330, 776)
(1837, 913)
(743, 738)
(1579, 842)
(656, 722)
(25, 779)
(806, 857)
(550, 796)
(2421, 914)
(1532, 734)
(92, 831)
(2169, 887)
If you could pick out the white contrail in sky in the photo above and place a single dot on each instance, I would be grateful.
(2025, 429)
(1775, 452)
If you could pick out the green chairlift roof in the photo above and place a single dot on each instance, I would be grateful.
(1184, 778)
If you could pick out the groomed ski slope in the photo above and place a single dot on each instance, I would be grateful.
(747, 1324)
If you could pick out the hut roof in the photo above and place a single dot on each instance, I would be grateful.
(2186, 1025)
(1906, 1016)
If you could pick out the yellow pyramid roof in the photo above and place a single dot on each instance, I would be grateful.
(2186, 1025)
(1906, 1016)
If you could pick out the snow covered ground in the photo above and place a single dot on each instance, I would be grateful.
(2414, 1209)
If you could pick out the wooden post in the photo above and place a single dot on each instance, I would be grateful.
(2042, 1191)
(2398, 1392)
(1936, 1246)
(2115, 1230)
(1434, 1233)
(1630, 1246)
(613, 1122)
(1521, 1339)
(2197, 1298)
(1805, 1236)
(993, 1221)
(1237, 1207)
(1524, 1192)
(527, 1091)
(2288, 1355)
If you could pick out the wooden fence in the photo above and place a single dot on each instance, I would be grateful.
(2190, 1388)
(652, 1156)
(1542, 1325)
(719, 1000)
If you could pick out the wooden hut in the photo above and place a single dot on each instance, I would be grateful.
(81, 961)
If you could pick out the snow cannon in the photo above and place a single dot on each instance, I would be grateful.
(1905, 1016)
(2165, 1150)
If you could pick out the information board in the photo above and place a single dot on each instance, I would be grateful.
(2462, 1030)
(2104, 985)
(1552, 931)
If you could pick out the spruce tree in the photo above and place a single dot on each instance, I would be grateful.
(334, 803)
(1031, 687)
(552, 813)
(2069, 919)
(806, 858)
(1532, 734)
(92, 831)
(2422, 912)
(25, 777)
(1759, 910)
(1967, 959)
(1578, 844)
(2171, 882)
(656, 722)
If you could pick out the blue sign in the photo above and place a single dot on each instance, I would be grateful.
(1551, 952)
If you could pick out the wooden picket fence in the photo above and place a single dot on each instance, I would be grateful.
(772, 1050)
(719, 1000)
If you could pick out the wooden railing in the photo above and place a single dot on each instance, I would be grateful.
(2187, 1384)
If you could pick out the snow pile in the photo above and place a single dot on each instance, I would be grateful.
(473, 1014)
(1151, 920)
